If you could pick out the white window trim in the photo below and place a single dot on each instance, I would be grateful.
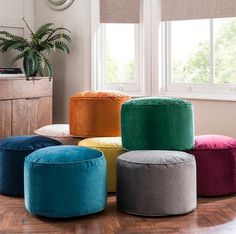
(146, 58)
(208, 91)
(97, 57)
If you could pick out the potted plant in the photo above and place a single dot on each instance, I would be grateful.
(36, 50)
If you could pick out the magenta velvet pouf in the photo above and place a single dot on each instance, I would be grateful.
(216, 165)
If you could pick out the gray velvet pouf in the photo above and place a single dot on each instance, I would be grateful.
(156, 183)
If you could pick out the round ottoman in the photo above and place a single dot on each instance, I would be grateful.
(156, 183)
(112, 149)
(216, 165)
(59, 132)
(13, 151)
(157, 124)
(65, 181)
(96, 114)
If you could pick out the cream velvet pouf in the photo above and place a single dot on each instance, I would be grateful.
(59, 132)
(112, 149)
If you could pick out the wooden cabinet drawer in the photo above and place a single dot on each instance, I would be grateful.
(29, 89)
(31, 114)
(24, 105)
(6, 89)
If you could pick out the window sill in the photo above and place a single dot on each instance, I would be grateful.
(202, 96)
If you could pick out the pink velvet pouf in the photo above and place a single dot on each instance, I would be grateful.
(216, 165)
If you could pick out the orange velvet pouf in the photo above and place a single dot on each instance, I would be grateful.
(96, 114)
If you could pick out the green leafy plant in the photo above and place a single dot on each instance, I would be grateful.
(36, 50)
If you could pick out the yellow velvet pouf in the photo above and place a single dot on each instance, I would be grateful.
(112, 149)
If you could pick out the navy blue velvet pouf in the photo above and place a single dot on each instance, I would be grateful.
(65, 182)
(13, 151)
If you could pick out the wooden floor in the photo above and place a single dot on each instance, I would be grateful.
(215, 215)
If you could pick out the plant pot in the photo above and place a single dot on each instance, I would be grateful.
(30, 74)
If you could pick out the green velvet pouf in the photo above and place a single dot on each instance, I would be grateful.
(157, 124)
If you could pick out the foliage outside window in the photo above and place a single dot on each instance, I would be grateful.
(119, 65)
(203, 51)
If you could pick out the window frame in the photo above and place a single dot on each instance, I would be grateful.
(147, 79)
(209, 90)
(153, 70)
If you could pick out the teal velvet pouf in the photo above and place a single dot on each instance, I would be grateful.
(157, 124)
(65, 181)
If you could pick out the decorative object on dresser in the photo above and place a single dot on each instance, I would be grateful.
(24, 105)
(35, 51)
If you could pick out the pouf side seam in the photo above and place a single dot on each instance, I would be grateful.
(82, 214)
(150, 164)
(91, 98)
(1, 148)
(68, 163)
(103, 147)
(133, 106)
(157, 215)
(211, 149)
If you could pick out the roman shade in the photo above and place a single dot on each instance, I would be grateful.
(197, 9)
(120, 11)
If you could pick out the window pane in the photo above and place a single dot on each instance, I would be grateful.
(190, 51)
(119, 53)
(225, 50)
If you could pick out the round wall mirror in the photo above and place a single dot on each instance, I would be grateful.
(59, 5)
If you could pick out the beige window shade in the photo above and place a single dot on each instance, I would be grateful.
(120, 11)
(197, 9)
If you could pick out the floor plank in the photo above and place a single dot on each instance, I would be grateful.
(213, 216)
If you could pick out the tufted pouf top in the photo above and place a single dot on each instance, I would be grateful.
(157, 123)
(156, 183)
(65, 181)
(112, 149)
(13, 151)
(96, 114)
(215, 157)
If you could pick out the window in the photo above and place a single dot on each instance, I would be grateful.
(119, 58)
(119, 51)
(200, 55)
(188, 58)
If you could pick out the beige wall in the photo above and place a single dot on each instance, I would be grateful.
(70, 72)
(215, 117)
(11, 14)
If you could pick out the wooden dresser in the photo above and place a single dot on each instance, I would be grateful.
(24, 105)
